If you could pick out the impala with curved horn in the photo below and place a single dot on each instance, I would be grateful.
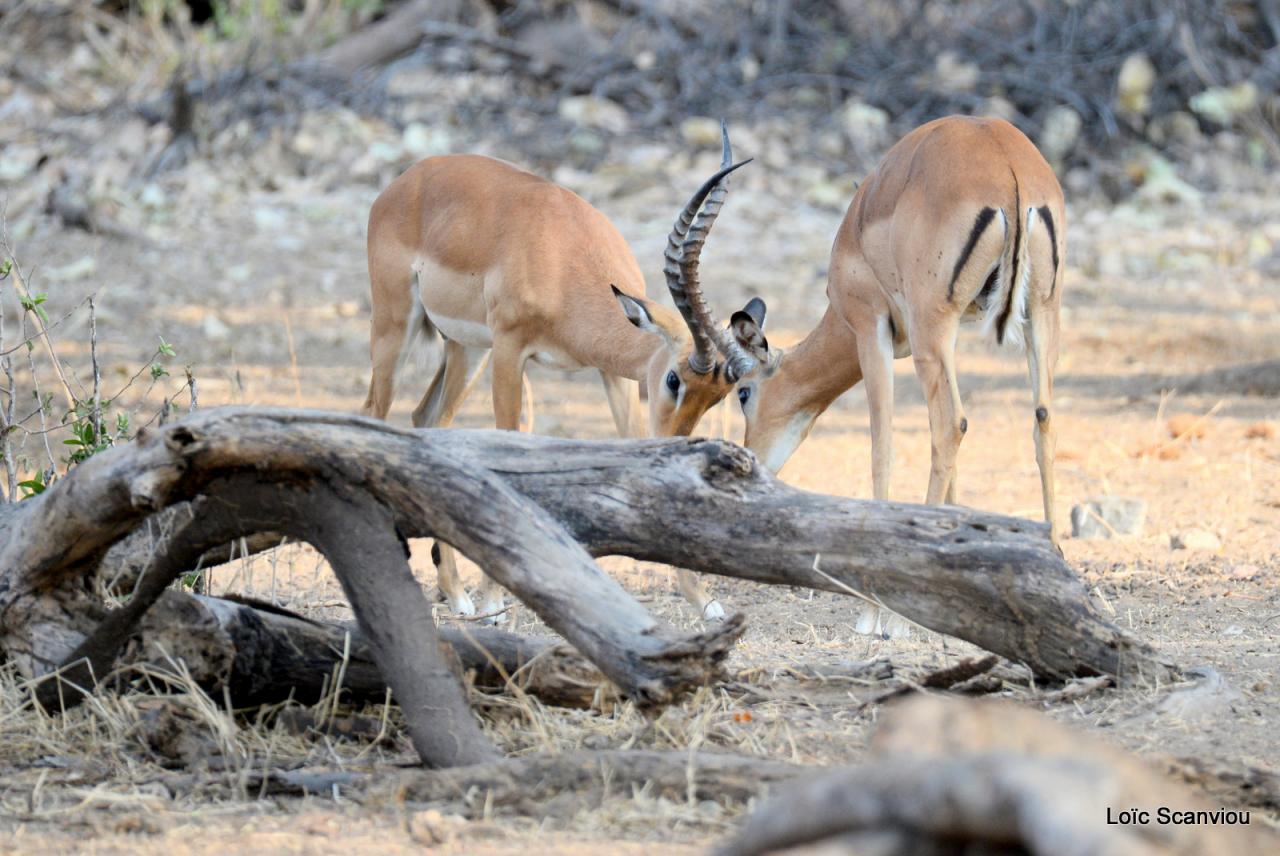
(497, 261)
(962, 219)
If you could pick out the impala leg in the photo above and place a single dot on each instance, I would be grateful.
(934, 352)
(1042, 356)
(508, 383)
(875, 353)
(391, 330)
(459, 368)
(455, 593)
(508, 389)
(457, 375)
(624, 403)
(526, 405)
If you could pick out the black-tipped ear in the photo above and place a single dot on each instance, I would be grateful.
(749, 331)
(635, 310)
(756, 309)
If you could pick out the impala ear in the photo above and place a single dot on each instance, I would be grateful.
(747, 325)
(649, 318)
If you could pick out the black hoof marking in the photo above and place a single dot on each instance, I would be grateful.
(1042, 415)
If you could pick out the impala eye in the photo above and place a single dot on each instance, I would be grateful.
(673, 382)
(744, 395)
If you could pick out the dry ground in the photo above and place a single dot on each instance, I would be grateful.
(1150, 293)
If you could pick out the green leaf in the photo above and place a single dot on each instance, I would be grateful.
(165, 348)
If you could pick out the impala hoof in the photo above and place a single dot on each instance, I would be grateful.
(461, 604)
(494, 613)
(713, 611)
(868, 620)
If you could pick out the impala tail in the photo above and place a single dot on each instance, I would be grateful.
(1007, 309)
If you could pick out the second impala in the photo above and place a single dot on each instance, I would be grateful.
(962, 219)
(493, 258)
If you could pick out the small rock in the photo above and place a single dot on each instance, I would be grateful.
(153, 196)
(1245, 572)
(700, 132)
(1160, 183)
(1133, 87)
(423, 141)
(1177, 127)
(1225, 104)
(954, 74)
(1107, 517)
(1000, 108)
(866, 127)
(592, 112)
(214, 329)
(269, 219)
(828, 194)
(1195, 539)
(1060, 133)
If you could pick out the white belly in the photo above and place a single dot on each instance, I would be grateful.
(462, 331)
(454, 302)
(553, 358)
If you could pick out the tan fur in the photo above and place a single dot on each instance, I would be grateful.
(515, 263)
(891, 266)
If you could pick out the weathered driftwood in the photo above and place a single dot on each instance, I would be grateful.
(527, 784)
(262, 655)
(708, 506)
(258, 472)
(705, 505)
(960, 774)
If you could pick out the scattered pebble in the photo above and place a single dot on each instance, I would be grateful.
(1195, 539)
(1108, 517)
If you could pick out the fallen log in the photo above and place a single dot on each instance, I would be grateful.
(963, 774)
(254, 476)
(525, 785)
(708, 506)
(265, 655)
(514, 504)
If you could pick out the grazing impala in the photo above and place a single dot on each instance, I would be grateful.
(494, 258)
(962, 219)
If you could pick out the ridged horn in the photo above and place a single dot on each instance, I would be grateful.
(684, 247)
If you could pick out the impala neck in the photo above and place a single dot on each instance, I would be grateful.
(630, 351)
(823, 365)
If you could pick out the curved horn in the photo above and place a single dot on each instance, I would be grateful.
(684, 246)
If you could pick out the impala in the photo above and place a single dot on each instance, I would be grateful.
(494, 259)
(963, 219)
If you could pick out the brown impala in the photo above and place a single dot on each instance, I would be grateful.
(497, 260)
(963, 219)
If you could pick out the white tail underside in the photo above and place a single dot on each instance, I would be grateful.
(1012, 333)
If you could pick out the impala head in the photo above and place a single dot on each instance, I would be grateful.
(774, 408)
(701, 361)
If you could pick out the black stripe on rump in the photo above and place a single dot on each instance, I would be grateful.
(979, 226)
(1013, 267)
(1053, 242)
